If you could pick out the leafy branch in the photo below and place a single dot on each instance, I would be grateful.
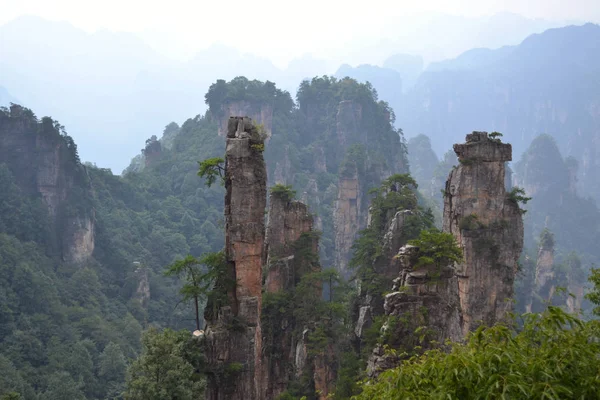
(212, 168)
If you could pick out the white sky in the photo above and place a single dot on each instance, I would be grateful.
(278, 28)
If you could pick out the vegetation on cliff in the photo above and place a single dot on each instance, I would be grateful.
(553, 356)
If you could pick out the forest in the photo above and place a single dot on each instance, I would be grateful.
(109, 282)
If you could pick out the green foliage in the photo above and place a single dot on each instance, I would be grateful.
(469, 223)
(241, 89)
(554, 356)
(396, 193)
(546, 239)
(284, 192)
(517, 195)
(211, 169)
(594, 294)
(166, 369)
(260, 147)
(467, 161)
(437, 248)
(495, 136)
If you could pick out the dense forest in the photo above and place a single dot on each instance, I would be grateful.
(87, 310)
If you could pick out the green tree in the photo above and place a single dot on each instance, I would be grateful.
(211, 169)
(165, 369)
(594, 294)
(200, 277)
(554, 356)
(62, 386)
(111, 363)
(437, 248)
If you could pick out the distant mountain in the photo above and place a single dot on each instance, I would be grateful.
(474, 58)
(387, 81)
(113, 90)
(547, 84)
(409, 66)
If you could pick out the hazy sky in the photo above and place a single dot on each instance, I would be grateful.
(278, 29)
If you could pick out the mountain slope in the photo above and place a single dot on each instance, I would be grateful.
(547, 84)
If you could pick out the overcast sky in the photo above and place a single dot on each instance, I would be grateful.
(278, 29)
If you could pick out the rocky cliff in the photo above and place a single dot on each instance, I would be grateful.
(291, 248)
(422, 311)
(233, 335)
(487, 223)
(544, 273)
(260, 113)
(44, 162)
(348, 219)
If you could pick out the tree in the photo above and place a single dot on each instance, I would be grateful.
(594, 294)
(166, 368)
(554, 356)
(212, 168)
(62, 386)
(198, 281)
(112, 363)
(437, 248)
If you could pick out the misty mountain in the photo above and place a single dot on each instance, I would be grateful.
(547, 84)
(409, 66)
(113, 90)
(387, 81)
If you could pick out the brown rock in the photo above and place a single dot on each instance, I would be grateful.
(233, 337)
(260, 113)
(487, 225)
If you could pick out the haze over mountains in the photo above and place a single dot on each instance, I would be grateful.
(112, 90)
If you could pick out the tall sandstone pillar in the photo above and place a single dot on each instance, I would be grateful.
(487, 224)
(286, 263)
(233, 336)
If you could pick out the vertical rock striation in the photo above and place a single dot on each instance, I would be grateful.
(488, 226)
(422, 311)
(347, 220)
(233, 337)
(288, 236)
(44, 162)
(262, 113)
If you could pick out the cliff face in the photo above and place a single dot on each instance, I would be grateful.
(347, 219)
(233, 336)
(288, 236)
(424, 297)
(260, 113)
(45, 163)
(488, 226)
(288, 220)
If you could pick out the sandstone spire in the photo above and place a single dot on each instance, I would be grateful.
(487, 223)
(233, 336)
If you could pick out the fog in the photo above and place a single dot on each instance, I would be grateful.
(115, 73)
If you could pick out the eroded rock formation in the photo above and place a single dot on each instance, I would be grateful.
(348, 219)
(233, 337)
(289, 240)
(259, 113)
(487, 223)
(423, 310)
(44, 163)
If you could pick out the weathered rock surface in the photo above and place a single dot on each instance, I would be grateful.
(260, 113)
(488, 226)
(291, 248)
(288, 220)
(422, 310)
(44, 163)
(233, 337)
(348, 220)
